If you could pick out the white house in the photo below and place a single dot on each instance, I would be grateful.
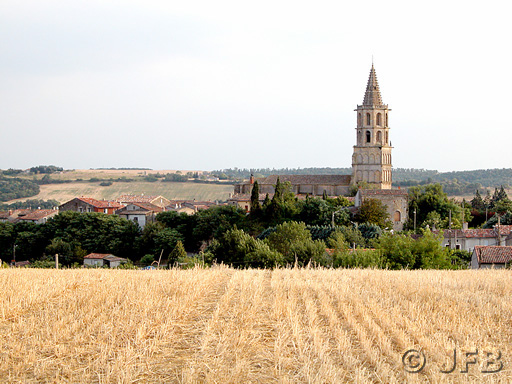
(141, 213)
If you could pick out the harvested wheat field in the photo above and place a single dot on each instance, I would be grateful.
(222, 325)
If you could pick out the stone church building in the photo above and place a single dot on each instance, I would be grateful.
(371, 164)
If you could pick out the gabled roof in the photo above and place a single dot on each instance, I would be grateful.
(38, 214)
(372, 96)
(98, 255)
(138, 198)
(145, 207)
(307, 179)
(493, 254)
(100, 203)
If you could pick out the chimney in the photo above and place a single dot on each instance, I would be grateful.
(251, 180)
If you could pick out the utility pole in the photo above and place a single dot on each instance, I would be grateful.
(414, 221)
(450, 227)
(56, 261)
(14, 253)
(499, 232)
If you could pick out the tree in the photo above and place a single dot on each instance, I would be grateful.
(241, 250)
(178, 253)
(255, 199)
(373, 211)
(477, 202)
(431, 198)
(294, 242)
(397, 251)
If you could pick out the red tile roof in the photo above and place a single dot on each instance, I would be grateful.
(493, 254)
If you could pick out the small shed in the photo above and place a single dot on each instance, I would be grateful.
(102, 259)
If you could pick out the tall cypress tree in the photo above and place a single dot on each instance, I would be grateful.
(255, 198)
(477, 202)
(278, 192)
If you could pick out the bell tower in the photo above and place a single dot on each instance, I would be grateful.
(371, 161)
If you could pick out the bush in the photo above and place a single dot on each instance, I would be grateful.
(294, 242)
(358, 258)
(147, 259)
(105, 183)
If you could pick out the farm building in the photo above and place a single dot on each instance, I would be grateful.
(102, 259)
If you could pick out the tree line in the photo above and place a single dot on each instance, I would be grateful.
(282, 230)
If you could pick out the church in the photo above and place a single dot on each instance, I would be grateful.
(371, 164)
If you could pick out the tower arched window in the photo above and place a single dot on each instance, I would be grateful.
(397, 216)
(359, 118)
(368, 136)
(379, 119)
(379, 137)
(386, 119)
(368, 119)
(386, 137)
(359, 141)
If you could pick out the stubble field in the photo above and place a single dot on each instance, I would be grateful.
(222, 325)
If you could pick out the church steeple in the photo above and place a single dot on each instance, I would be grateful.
(371, 161)
(372, 96)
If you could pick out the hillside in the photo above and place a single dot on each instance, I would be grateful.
(222, 325)
(170, 190)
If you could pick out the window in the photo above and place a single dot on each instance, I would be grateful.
(105, 210)
(379, 137)
(136, 219)
(457, 246)
(368, 119)
(386, 137)
(368, 136)
(359, 118)
(80, 209)
(379, 119)
(386, 119)
(397, 216)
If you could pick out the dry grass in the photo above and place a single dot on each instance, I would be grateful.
(252, 326)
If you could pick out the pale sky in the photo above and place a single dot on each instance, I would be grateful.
(217, 84)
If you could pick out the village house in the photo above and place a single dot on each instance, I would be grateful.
(38, 216)
(159, 201)
(243, 200)
(12, 215)
(492, 256)
(189, 206)
(88, 204)
(468, 239)
(103, 259)
(140, 213)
